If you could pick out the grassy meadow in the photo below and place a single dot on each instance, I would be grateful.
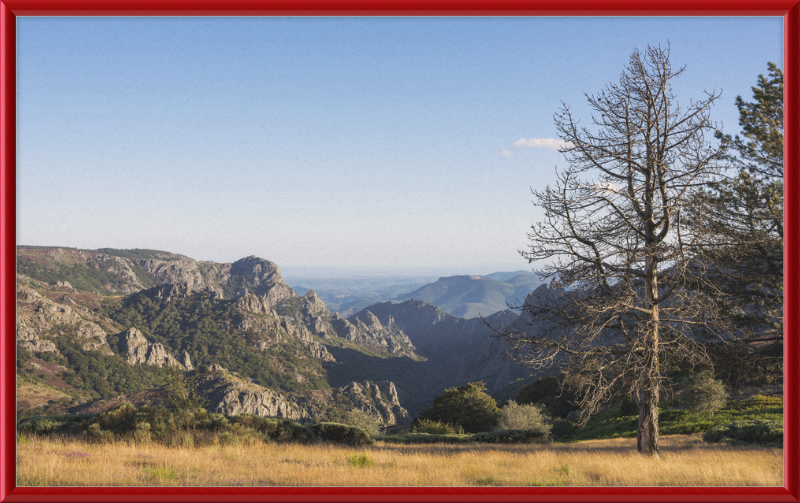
(685, 461)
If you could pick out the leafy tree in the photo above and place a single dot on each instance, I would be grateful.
(182, 392)
(514, 416)
(613, 236)
(703, 393)
(468, 406)
(741, 220)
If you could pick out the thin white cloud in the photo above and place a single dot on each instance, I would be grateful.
(606, 186)
(506, 153)
(548, 143)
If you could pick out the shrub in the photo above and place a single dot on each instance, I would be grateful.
(468, 406)
(360, 460)
(703, 393)
(524, 417)
(510, 436)
(367, 421)
(277, 429)
(341, 434)
(436, 427)
(63, 423)
(767, 433)
(119, 420)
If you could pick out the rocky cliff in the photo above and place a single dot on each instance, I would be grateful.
(230, 394)
(135, 348)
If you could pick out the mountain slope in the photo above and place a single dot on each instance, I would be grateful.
(473, 296)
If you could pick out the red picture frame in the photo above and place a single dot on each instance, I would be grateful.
(10, 9)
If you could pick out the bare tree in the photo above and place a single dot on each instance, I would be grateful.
(613, 238)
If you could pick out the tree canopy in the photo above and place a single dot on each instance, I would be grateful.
(468, 406)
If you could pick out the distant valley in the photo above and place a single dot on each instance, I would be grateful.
(465, 296)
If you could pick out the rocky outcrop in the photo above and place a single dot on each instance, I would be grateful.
(41, 320)
(229, 394)
(134, 347)
(378, 397)
(184, 359)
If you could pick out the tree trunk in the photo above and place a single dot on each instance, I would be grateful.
(647, 432)
(648, 396)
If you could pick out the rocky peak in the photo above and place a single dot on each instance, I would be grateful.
(313, 305)
(261, 277)
(367, 321)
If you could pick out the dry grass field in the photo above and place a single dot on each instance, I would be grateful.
(685, 461)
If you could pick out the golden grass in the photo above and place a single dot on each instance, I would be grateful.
(685, 461)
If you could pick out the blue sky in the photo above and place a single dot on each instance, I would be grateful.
(370, 144)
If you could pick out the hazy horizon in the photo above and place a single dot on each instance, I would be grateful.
(382, 144)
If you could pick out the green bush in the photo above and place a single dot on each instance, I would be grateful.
(360, 460)
(169, 426)
(367, 421)
(468, 406)
(341, 434)
(45, 425)
(511, 436)
(435, 427)
(524, 417)
(703, 393)
(767, 433)
(277, 429)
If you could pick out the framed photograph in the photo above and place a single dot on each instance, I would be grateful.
(466, 250)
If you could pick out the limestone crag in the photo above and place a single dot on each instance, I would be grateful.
(40, 319)
(261, 277)
(378, 397)
(169, 292)
(229, 394)
(196, 275)
(134, 347)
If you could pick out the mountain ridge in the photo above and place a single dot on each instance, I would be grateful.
(243, 315)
